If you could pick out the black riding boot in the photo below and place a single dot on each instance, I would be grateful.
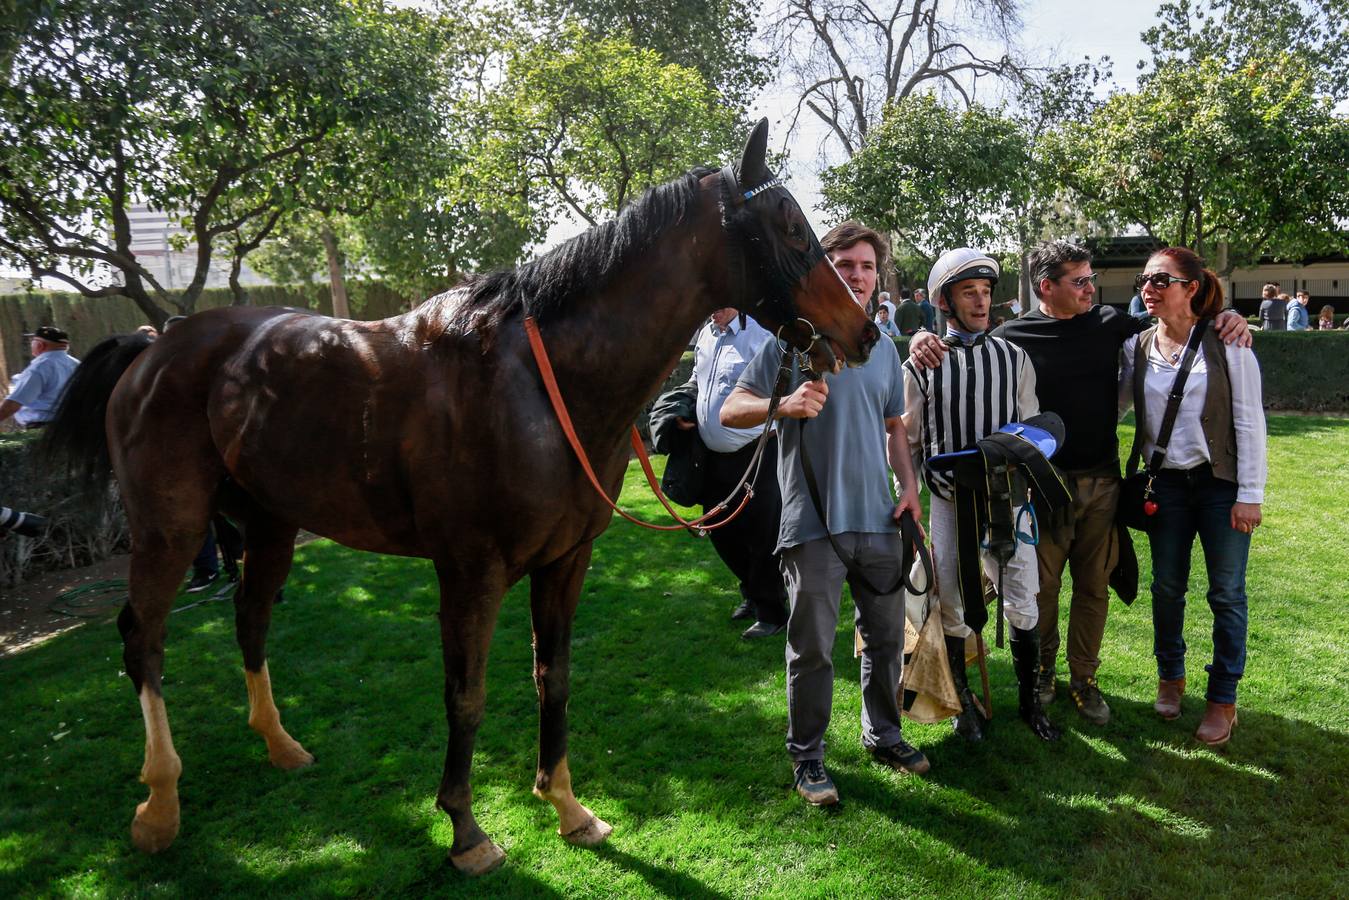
(1025, 645)
(969, 723)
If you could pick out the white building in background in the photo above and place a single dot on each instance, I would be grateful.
(152, 240)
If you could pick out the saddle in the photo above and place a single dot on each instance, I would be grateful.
(990, 479)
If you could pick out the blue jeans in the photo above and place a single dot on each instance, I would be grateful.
(1191, 503)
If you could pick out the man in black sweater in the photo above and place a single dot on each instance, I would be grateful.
(1074, 345)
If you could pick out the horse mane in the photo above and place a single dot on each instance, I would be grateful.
(584, 264)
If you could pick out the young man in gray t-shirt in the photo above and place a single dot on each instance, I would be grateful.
(855, 438)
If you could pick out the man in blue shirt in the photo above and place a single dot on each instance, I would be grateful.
(855, 439)
(37, 389)
(746, 545)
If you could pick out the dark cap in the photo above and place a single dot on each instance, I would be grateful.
(48, 333)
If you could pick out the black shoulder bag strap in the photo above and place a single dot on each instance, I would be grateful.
(911, 539)
(1172, 404)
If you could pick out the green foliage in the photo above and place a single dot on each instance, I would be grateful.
(1249, 162)
(677, 740)
(1240, 32)
(589, 123)
(295, 253)
(936, 177)
(713, 37)
(227, 114)
(1307, 371)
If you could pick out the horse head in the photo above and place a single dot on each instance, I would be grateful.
(788, 283)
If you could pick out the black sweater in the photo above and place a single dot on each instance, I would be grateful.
(1076, 371)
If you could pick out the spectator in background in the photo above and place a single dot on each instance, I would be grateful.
(37, 389)
(1326, 321)
(910, 317)
(1273, 312)
(886, 302)
(929, 314)
(887, 327)
(724, 347)
(1297, 311)
(1136, 307)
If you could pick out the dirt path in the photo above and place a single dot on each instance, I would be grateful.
(26, 619)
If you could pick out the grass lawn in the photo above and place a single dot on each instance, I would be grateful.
(677, 740)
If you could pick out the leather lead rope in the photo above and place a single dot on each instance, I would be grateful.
(699, 525)
(911, 539)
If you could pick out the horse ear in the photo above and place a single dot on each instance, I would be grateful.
(753, 159)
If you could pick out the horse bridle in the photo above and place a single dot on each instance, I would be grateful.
(738, 197)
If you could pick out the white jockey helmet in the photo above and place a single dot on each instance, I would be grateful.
(958, 265)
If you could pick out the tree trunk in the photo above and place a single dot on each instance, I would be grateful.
(1024, 294)
(336, 276)
(1223, 267)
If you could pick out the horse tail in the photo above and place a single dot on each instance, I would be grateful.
(76, 439)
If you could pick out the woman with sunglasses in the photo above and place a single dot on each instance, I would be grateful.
(1211, 482)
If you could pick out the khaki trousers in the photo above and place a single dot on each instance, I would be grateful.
(1088, 547)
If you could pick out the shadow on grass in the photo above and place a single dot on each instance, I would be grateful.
(1297, 426)
(677, 740)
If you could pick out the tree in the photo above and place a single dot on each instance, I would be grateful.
(437, 211)
(712, 37)
(227, 114)
(936, 177)
(850, 60)
(583, 125)
(1240, 164)
(1239, 32)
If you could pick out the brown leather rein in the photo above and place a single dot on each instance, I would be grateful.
(700, 525)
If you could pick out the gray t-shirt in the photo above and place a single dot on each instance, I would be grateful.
(847, 446)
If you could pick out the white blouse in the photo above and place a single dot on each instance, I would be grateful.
(1188, 446)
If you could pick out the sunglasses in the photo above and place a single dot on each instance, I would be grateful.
(1160, 280)
(1082, 282)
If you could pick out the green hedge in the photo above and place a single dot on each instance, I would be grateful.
(76, 536)
(1304, 371)
(89, 321)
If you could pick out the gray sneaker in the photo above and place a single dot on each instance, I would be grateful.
(903, 757)
(814, 783)
(1044, 685)
(1089, 701)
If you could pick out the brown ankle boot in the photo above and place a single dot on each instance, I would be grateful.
(1217, 725)
(1168, 698)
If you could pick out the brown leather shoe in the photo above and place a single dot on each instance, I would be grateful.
(1168, 698)
(1216, 728)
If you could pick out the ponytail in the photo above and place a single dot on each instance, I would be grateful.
(1209, 301)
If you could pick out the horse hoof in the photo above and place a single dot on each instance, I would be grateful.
(291, 757)
(152, 834)
(591, 834)
(479, 859)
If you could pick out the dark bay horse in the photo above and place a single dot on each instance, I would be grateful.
(430, 435)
